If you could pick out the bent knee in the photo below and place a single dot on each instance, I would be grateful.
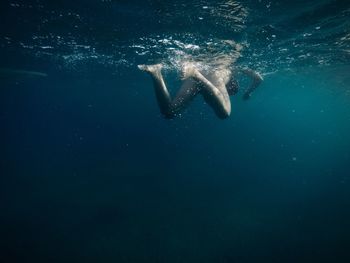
(168, 114)
(223, 113)
(226, 110)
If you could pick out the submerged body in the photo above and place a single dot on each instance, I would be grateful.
(215, 86)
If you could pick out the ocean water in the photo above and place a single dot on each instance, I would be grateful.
(91, 172)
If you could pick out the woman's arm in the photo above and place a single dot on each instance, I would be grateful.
(256, 80)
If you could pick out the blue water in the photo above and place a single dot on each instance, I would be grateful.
(91, 171)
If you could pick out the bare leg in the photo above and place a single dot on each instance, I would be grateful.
(216, 95)
(194, 82)
(162, 93)
(189, 89)
(169, 107)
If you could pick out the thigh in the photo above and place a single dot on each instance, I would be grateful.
(187, 92)
(219, 79)
(219, 101)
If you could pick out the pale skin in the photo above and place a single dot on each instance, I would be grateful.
(216, 88)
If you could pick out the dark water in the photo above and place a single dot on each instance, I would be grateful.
(91, 172)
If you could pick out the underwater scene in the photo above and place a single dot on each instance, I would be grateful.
(173, 131)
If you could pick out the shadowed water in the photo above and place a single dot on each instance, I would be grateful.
(90, 171)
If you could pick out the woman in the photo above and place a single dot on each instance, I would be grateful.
(215, 86)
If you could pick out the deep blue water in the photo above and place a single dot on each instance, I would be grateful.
(91, 172)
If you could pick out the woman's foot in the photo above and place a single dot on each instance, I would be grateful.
(152, 69)
(188, 70)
